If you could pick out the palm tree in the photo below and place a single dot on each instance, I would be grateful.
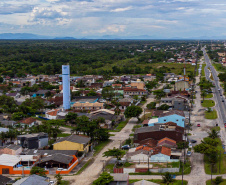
(167, 178)
(213, 134)
(203, 94)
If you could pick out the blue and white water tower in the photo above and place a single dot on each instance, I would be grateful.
(66, 86)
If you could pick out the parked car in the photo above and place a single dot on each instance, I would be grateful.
(125, 147)
(193, 141)
(188, 153)
(198, 125)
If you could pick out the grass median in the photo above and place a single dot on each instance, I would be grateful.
(220, 166)
(211, 114)
(208, 103)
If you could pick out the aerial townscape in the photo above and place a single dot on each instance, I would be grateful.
(112, 92)
(152, 114)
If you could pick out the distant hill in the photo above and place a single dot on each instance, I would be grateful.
(22, 36)
(30, 36)
(65, 38)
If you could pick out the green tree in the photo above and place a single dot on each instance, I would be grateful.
(213, 134)
(182, 145)
(1, 79)
(203, 94)
(218, 180)
(167, 178)
(8, 104)
(133, 111)
(104, 179)
(71, 117)
(92, 93)
(18, 116)
(163, 107)
(115, 152)
(159, 94)
(38, 171)
(151, 105)
(108, 93)
(58, 177)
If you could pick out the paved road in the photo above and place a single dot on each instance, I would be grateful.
(218, 91)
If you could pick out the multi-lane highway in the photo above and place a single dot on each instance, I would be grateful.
(217, 90)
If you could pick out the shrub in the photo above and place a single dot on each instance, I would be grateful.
(218, 179)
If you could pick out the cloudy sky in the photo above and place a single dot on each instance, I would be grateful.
(81, 18)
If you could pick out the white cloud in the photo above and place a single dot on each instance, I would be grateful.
(122, 9)
(113, 29)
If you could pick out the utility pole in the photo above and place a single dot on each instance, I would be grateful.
(182, 173)
(220, 163)
(211, 173)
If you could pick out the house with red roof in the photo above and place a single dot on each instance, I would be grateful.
(27, 121)
(52, 114)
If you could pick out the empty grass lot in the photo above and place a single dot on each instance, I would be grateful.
(211, 115)
(208, 103)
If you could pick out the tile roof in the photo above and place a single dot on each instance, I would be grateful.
(149, 142)
(168, 139)
(162, 113)
(75, 139)
(166, 151)
(145, 122)
(170, 123)
(28, 121)
(53, 112)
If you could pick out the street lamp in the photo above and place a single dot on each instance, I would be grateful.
(183, 172)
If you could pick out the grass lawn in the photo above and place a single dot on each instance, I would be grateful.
(211, 115)
(208, 103)
(63, 135)
(63, 182)
(216, 128)
(158, 181)
(219, 67)
(100, 146)
(203, 70)
(120, 126)
(147, 114)
(210, 95)
(136, 126)
(209, 182)
(109, 168)
(222, 162)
